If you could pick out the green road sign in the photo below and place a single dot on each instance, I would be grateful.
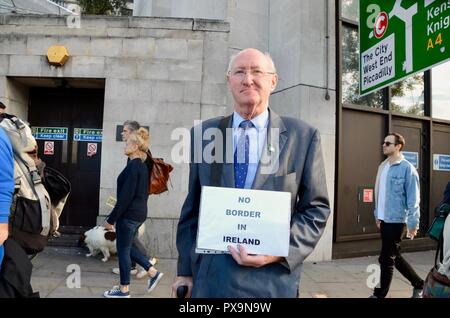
(398, 38)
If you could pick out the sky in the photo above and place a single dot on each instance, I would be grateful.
(441, 91)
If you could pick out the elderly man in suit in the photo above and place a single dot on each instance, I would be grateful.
(299, 170)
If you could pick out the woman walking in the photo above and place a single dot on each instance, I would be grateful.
(129, 214)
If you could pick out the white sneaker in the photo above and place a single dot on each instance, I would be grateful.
(139, 274)
(116, 270)
(143, 273)
(153, 261)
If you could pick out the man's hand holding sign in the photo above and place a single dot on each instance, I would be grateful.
(252, 225)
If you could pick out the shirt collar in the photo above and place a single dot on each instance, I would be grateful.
(259, 121)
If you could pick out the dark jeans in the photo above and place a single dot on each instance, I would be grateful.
(126, 231)
(391, 236)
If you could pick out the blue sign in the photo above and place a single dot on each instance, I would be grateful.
(87, 134)
(412, 157)
(50, 133)
(441, 162)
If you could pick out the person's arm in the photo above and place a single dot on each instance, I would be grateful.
(309, 219)
(412, 189)
(187, 225)
(312, 209)
(241, 257)
(446, 249)
(6, 184)
(125, 194)
(446, 198)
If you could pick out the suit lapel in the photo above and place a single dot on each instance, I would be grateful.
(271, 154)
(228, 165)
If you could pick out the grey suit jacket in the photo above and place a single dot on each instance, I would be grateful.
(301, 172)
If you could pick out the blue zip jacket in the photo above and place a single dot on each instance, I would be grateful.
(402, 194)
(6, 176)
(6, 181)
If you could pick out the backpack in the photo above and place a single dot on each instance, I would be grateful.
(30, 220)
(437, 226)
(159, 175)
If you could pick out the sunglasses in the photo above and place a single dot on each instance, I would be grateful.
(387, 143)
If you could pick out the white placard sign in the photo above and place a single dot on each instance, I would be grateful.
(257, 219)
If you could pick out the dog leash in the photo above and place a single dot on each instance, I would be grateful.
(105, 222)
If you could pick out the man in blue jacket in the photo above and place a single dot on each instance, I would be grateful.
(6, 186)
(397, 198)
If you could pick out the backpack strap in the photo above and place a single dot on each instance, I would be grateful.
(35, 182)
(20, 127)
(18, 123)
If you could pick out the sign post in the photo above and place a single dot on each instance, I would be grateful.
(398, 38)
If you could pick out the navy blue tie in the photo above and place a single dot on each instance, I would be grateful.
(241, 155)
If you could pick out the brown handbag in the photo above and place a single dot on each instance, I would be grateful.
(159, 176)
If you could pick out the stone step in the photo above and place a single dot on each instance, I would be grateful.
(70, 229)
(66, 240)
(70, 236)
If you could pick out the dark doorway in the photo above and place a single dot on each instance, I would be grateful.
(415, 133)
(360, 154)
(67, 110)
(441, 145)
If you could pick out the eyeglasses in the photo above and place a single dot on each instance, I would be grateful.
(255, 73)
(388, 143)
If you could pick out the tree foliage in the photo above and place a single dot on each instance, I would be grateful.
(350, 73)
(104, 7)
(413, 89)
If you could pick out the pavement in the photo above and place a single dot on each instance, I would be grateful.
(68, 273)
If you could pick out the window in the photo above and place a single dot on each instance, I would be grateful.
(350, 72)
(349, 9)
(440, 88)
(407, 96)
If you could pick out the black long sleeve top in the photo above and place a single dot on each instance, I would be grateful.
(132, 193)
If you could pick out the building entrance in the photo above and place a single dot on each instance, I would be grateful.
(67, 124)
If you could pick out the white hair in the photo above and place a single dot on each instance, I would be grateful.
(266, 54)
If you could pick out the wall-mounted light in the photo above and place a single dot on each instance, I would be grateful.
(57, 55)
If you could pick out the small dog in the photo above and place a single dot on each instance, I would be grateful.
(98, 239)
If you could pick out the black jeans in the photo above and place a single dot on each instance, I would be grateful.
(391, 236)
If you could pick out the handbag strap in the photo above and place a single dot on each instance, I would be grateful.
(439, 250)
(216, 167)
(440, 246)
